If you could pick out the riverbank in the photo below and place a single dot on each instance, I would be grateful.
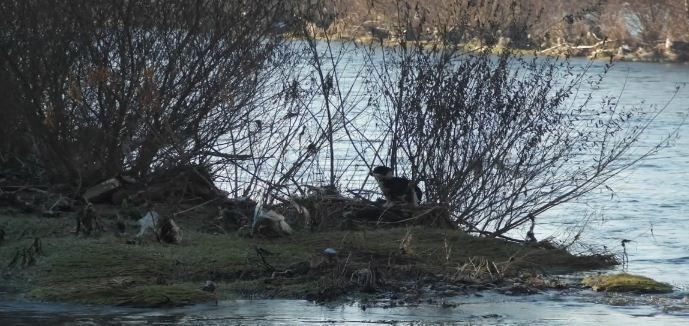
(43, 260)
(675, 52)
(572, 30)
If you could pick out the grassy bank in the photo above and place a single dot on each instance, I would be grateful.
(124, 270)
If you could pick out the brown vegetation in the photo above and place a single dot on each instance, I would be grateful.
(527, 23)
(103, 88)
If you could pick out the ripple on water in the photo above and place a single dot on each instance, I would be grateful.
(550, 308)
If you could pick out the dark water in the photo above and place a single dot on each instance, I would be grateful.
(650, 206)
(542, 309)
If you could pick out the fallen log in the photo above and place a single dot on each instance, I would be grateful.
(101, 189)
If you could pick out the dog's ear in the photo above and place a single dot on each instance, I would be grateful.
(382, 170)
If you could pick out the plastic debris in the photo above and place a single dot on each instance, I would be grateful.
(269, 223)
(148, 222)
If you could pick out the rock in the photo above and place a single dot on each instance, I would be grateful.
(624, 282)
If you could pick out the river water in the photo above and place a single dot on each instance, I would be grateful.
(650, 203)
(649, 206)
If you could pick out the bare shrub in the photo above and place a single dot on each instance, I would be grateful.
(99, 88)
(502, 139)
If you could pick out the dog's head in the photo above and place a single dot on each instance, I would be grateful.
(381, 172)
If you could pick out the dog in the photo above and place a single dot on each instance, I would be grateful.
(396, 189)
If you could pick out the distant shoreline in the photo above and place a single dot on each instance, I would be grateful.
(640, 54)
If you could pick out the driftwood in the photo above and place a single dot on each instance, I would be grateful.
(567, 46)
(34, 199)
(102, 189)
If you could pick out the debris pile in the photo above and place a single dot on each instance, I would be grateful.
(341, 213)
(33, 199)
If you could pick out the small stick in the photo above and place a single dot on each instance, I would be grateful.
(195, 207)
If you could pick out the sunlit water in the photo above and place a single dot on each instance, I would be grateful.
(650, 203)
(650, 206)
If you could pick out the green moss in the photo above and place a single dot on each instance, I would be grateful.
(108, 270)
(626, 283)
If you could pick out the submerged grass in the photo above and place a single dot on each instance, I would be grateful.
(624, 282)
(126, 271)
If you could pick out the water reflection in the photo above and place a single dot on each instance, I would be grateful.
(553, 308)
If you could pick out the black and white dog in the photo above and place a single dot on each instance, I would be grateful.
(396, 189)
